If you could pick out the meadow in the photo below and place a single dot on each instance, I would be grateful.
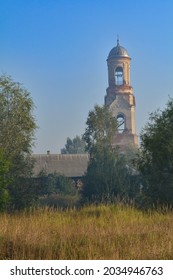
(92, 232)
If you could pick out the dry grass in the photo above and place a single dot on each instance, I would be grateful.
(103, 232)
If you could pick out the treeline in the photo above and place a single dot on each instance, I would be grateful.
(18, 188)
(141, 176)
(144, 176)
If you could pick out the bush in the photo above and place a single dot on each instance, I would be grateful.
(59, 201)
(56, 190)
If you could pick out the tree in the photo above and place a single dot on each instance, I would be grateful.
(4, 180)
(155, 161)
(101, 127)
(108, 175)
(56, 190)
(17, 127)
(55, 183)
(74, 146)
(17, 124)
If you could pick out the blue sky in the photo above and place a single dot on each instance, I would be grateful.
(58, 49)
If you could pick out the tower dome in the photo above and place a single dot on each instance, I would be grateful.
(118, 51)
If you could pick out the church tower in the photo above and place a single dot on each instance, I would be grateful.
(120, 98)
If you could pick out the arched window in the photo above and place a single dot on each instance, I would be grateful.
(121, 123)
(119, 76)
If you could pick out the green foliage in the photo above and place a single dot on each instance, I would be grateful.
(56, 190)
(17, 124)
(108, 174)
(61, 184)
(55, 184)
(101, 127)
(59, 201)
(155, 160)
(17, 127)
(23, 194)
(4, 180)
(74, 146)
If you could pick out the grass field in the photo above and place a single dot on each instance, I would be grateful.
(102, 232)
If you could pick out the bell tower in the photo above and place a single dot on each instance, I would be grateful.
(120, 98)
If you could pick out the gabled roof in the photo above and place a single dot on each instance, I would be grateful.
(70, 165)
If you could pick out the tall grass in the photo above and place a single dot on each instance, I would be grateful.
(93, 232)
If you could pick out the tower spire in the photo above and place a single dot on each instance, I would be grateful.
(118, 40)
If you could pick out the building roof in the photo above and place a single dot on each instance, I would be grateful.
(70, 165)
(118, 51)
